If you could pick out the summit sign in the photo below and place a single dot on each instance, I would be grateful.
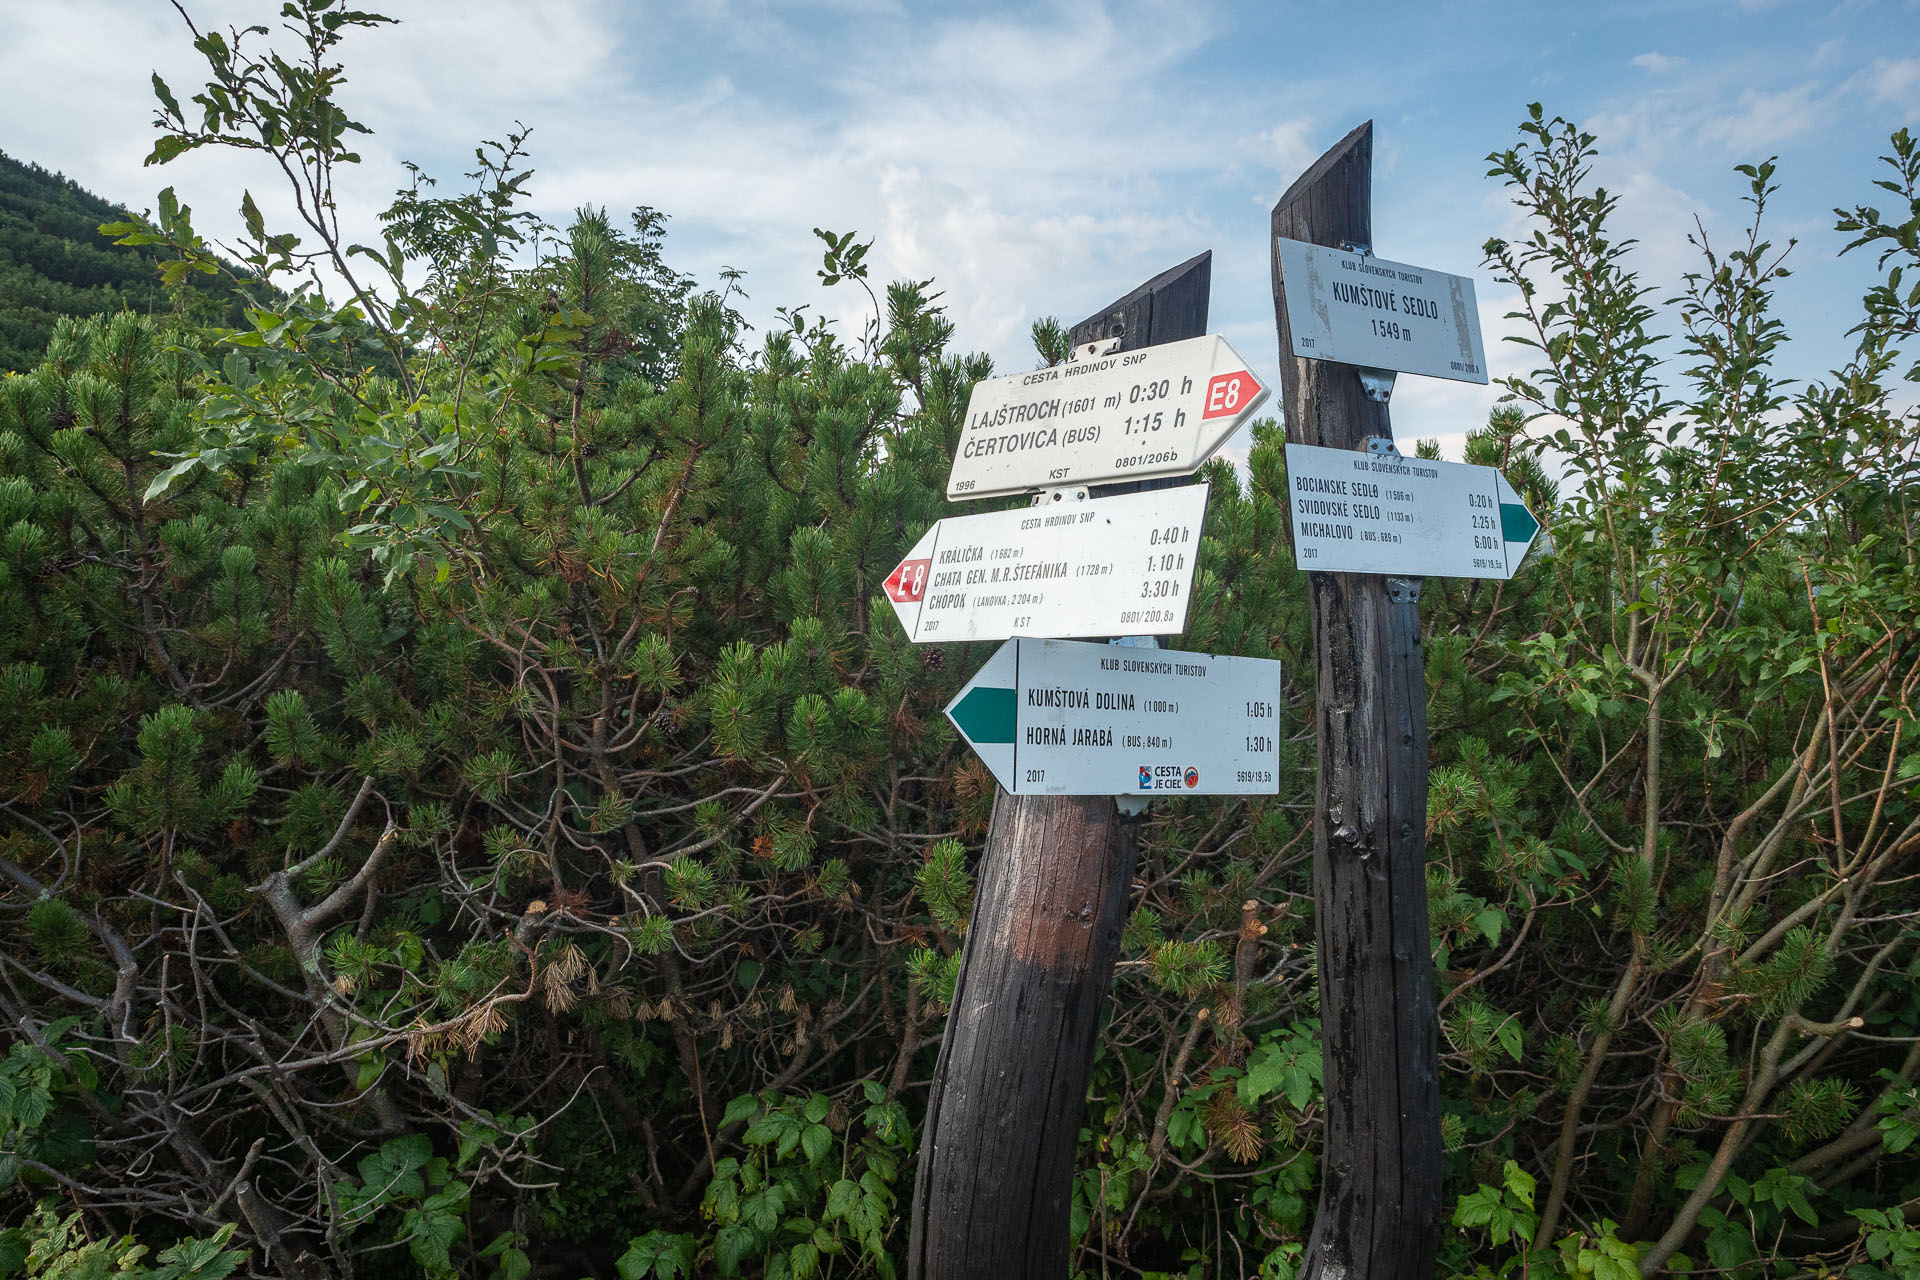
(1135, 415)
(1354, 308)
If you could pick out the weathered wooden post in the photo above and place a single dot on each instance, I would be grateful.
(1168, 308)
(1379, 1209)
(995, 1183)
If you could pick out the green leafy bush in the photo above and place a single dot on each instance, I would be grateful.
(458, 742)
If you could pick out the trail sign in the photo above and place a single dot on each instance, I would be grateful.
(1383, 513)
(1098, 567)
(1354, 308)
(1051, 717)
(1158, 411)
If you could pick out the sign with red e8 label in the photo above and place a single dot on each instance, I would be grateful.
(1100, 567)
(1133, 415)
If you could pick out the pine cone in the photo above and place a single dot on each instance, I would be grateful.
(932, 658)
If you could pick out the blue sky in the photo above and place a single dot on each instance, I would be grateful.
(1040, 159)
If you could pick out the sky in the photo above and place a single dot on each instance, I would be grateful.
(1041, 159)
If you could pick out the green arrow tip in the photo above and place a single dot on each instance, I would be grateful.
(985, 714)
(1517, 523)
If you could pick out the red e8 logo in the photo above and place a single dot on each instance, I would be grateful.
(1227, 392)
(908, 583)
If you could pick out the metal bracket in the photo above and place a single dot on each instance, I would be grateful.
(1382, 446)
(1376, 384)
(1095, 349)
(1131, 806)
(1047, 497)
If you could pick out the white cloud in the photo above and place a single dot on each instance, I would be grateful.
(1759, 121)
(79, 97)
(1658, 63)
(1896, 81)
(1287, 149)
(1826, 52)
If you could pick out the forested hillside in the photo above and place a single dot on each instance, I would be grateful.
(472, 812)
(54, 262)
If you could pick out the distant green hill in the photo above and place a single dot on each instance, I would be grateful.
(54, 262)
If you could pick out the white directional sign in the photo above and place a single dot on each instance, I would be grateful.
(1362, 310)
(1159, 411)
(1100, 567)
(1373, 513)
(1053, 718)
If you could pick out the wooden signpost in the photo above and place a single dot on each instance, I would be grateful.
(995, 1186)
(1379, 1212)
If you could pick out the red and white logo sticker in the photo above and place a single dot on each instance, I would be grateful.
(906, 584)
(1228, 391)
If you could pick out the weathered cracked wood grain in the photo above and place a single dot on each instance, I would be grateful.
(1379, 1209)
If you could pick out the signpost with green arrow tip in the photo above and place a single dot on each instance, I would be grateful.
(1379, 512)
(1052, 717)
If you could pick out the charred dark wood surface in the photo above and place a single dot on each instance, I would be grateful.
(1379, 1209)
(1168, 308)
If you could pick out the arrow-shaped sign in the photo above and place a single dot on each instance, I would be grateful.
(1102, 567)
(1384, 513)
(1052, 717)
(1159, 411)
